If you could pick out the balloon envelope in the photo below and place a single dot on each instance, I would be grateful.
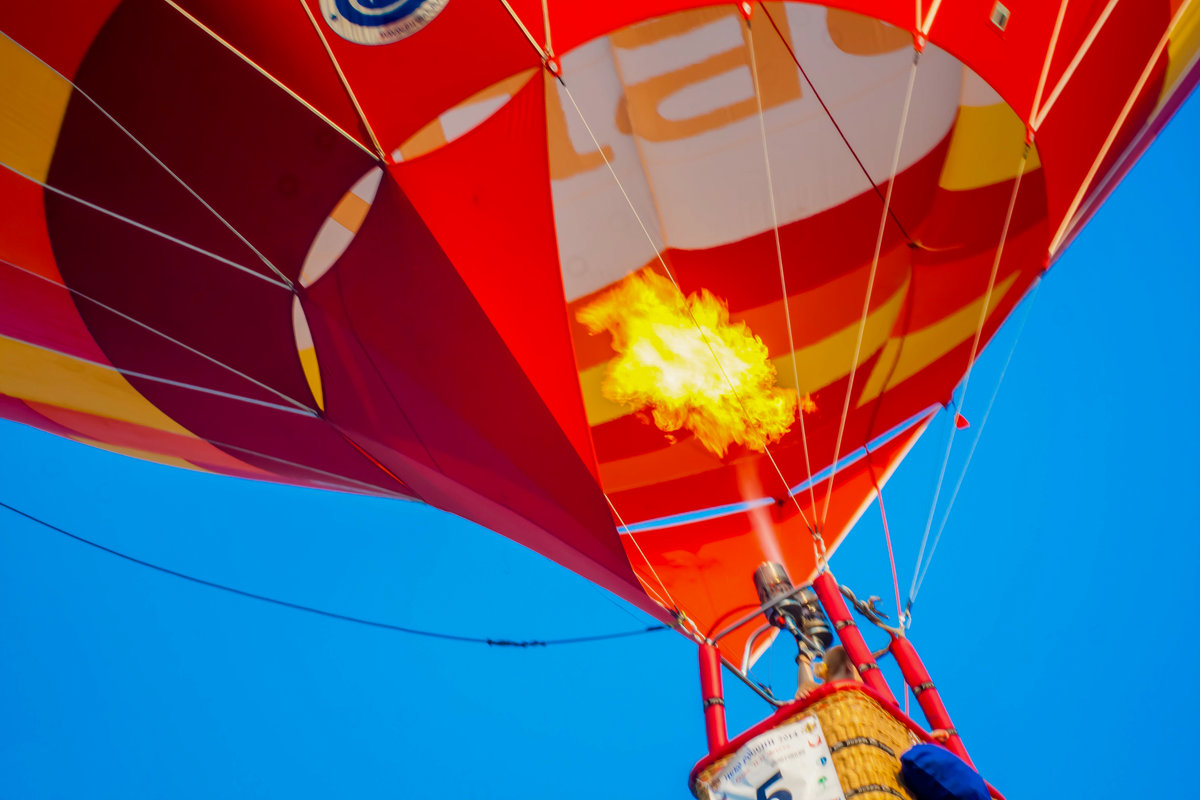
(361, 250)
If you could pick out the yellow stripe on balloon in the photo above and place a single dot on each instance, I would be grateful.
(985, 148)
(312, 373)
(33, 100)
(307, 351)
(42, 376)
(144, 455)
(1184, 44)
(828, 360)
(918, 349)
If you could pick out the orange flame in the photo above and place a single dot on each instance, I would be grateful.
(684, 360)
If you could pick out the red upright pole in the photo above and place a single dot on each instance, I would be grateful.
(856, 647)
(922, 686)
(714, 699)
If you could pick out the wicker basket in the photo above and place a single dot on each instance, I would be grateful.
(866, 742)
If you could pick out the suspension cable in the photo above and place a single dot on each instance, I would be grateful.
(667, 602)
(983, 315)
(525, 643)
(1040, 110)
(921, 570)
(148, 229)
(887, 537)
(529, 36)
(1085, 185)
(261, 71)
(887, 534)
(363, 487)
(818, 546)
(303, 410)
(829, 114)
(145, 149)
(862, 325)
(337, 67)
(161, 334)
(545, 23)
(1038, 114)
(1041, 84)
(787, 313)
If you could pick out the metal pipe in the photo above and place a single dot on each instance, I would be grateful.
(927, 696)
(751, 685)
(714, 698)
(749, 648)
(852, 639)
(733, 626)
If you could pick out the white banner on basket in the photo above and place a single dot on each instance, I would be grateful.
(791, 762)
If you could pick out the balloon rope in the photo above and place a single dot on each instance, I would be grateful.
(787, 312)
(862, 325)
(336, 479)
(161, 334)
(303, 411)
(668, 603)
(362, 115)
(924, 569)
(887, 536)
(829, 114)
(1041, 86)
(671, 276)
(927, 22)
(962, 398)
(252, 272)
(1068, 218)
(1040, 111)
(541, 53)
(156, 160)
(316, 112)
(331, 614)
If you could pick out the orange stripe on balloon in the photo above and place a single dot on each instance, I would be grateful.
(350, 212)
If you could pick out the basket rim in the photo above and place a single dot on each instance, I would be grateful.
(785, 712)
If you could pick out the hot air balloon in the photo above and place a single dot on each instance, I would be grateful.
(659, 291)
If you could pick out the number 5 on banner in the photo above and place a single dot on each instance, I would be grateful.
(778, 794)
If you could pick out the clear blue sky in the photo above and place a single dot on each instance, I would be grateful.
(1054, 618)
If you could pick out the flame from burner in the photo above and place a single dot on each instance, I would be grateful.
(682, 359)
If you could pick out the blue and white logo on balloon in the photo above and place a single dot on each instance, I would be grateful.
(379, 21)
